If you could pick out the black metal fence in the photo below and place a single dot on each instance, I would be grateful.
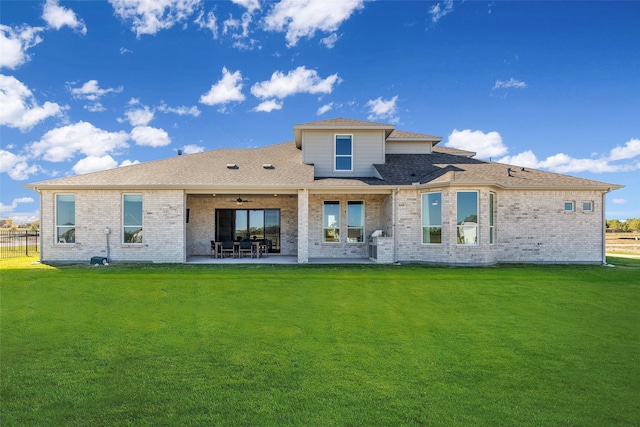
(18, 243)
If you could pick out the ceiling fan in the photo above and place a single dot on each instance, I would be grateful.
(239, 201)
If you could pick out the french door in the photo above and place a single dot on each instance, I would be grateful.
(250, 224)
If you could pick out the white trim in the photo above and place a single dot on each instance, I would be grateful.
(123, 226)
(422, 226)
(56, 241)
(364, 222)
(476, 225)
(335, 156)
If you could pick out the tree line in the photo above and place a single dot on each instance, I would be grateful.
(632, 224)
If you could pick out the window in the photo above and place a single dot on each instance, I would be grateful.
(432, 218)
(132, 218)
(587, 206)
(331, 222)
(65, 218)
(467, 218)
(344, 153)
(355, 222)
(492, 218)
(569, 207)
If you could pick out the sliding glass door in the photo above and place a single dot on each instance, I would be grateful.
(249, 224)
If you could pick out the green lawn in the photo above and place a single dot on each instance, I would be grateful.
(320, 345)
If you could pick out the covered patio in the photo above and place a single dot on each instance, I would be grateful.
(273, 259)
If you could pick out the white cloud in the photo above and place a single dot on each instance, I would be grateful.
(630, 150)
(14, 43)
(330, 40)
(268, 106)
(509, 84)
(18, 107)
(439, 10)
(209, 22)
(150, 136)
(91, 91)
(96, 107)
(300, 80)
(619, 201)
(129, 163)
(140, 116)
(57, 17)
(485, 145)
(324, 109)
(14, 204)
(228, 89)
(124, 50)
(16, 166)
(379, 109)
(250, 5)
(563, 163)
(94, 164)
(151, 16)
(63, 143)
(181, 111)
(302, 18)
(192, 149)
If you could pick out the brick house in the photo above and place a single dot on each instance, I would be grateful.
(341, 189)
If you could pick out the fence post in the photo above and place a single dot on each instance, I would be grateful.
(26, 242)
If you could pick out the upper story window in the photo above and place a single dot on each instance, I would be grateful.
(331, 222)
(132, 218)
(587, 206)
(432, 218)
(355, 221)
(344, 153)
(65, 218)
(467, 217)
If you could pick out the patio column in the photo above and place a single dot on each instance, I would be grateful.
(303, 226)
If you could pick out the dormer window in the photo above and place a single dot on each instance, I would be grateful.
(344, 153)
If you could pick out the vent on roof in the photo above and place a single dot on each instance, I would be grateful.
(268, 166)
(232, 166)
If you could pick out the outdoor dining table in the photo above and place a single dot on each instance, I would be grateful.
(255, 249)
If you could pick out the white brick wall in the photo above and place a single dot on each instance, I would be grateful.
(376, 214)
(530, 227)
(163, 227)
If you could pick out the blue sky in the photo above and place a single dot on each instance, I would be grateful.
(90, 85)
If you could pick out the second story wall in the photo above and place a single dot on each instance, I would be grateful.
(319, 149)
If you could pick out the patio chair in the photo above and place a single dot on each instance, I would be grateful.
(213, 249)
(226, 249)
(245, 247)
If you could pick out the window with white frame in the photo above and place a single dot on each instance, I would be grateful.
(569, 206)
(331, 222)
(492, 218)
(355, 221)
(65, 218)
(432, 218)
(343, 153)
(587, 206)
(132, 219)
(467, 217)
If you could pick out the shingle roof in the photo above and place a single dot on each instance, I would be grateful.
(403, 135)
(212, 171)
(208, 170)
(449, 169)
(456, 151)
